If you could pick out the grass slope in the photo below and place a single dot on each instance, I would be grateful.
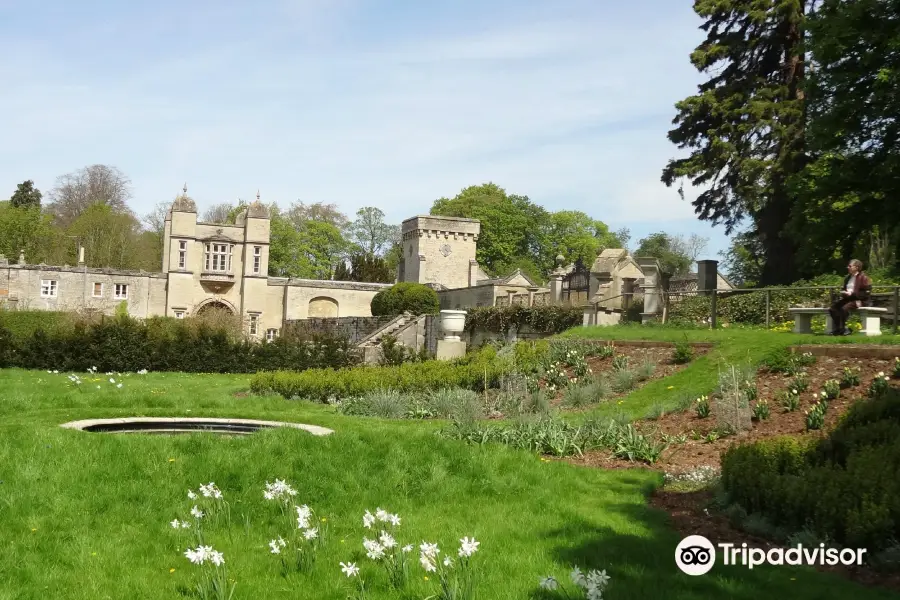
(738, 347)
(85, 515)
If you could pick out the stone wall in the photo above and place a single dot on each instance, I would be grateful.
(355, 328)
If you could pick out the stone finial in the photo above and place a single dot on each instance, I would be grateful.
(22, 256)
(257, 210)
(560, 260)
(183, 203)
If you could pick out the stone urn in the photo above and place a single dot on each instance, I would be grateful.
(453, 323)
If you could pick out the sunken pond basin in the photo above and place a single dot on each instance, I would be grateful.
(175, 425)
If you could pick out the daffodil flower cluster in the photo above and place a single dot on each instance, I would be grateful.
(592, 584)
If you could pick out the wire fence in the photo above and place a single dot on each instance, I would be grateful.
(768, 305)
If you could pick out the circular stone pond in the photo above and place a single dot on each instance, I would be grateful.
(170, 425)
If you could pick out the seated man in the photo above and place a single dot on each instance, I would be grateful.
(855, 293)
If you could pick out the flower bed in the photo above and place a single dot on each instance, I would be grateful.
(697, 440)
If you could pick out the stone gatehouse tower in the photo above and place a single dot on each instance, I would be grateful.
(211, 264)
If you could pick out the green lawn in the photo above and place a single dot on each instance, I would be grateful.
(86, 515)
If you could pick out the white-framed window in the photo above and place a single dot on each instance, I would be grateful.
(271, 334)
(121, 291)
(48, 288)
(254, 323)
(182, 254)
(257, 259)
(98, 289)
(179, 314)
(218, 258)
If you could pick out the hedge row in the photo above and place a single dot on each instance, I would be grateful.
(844, 487)
(476, 372)
(165, 344)
(542, 319)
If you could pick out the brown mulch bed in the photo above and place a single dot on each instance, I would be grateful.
(679, 458)
(689, 516)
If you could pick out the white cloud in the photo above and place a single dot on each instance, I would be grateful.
(571, 111)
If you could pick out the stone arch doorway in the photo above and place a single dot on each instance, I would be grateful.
(322, 307)
(208, 307)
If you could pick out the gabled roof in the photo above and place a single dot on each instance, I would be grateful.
(507, 279)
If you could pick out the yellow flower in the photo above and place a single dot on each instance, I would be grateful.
(171, 460)
(671, 387)
(426, 578)
(171, 570)
(324, 519)
(33, 530)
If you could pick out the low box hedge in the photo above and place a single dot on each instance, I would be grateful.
(845, 487)
(474, 373)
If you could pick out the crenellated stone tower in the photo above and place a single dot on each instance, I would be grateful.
(439, 250)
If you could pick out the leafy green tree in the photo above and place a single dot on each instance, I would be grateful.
(575, 236)
(746, 126)
(370, 233)
(311, 251)
(850, 189)
(742, 262)
(675, 254)
(511, 226)
(110, 238)
(26, 228)
(26, 196)
(365, 268)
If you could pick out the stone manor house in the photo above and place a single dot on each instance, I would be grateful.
(212, 265)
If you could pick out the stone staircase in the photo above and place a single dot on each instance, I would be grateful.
(399, 328)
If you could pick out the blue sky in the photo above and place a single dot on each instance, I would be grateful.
(393, 103)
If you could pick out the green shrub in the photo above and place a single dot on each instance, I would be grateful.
(6, 347)
(476, 372)
(406, 296)
(683, 353)
(124, 344)
(843, 487)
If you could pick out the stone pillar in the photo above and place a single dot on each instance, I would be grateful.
(531, 292)
(21, 257)
(473, 270)
(421, 268)
(3, 261)
(650, 268)
(556, 279)
(707, 279)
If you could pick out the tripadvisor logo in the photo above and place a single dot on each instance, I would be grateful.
(696, 555)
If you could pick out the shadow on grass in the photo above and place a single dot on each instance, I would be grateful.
(642, 565)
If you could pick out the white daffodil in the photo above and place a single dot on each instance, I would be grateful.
(349, 569)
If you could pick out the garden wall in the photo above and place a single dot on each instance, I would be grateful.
(355, 329)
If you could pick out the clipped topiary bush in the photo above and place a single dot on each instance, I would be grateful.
(417, 298)
(844, 487)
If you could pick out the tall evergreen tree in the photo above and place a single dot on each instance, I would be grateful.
(26, 196)
(745, 126)
(851, 186)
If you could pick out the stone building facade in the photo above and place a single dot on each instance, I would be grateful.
(204, 266)
(223, 266)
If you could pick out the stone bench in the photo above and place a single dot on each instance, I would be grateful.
(871, 317)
